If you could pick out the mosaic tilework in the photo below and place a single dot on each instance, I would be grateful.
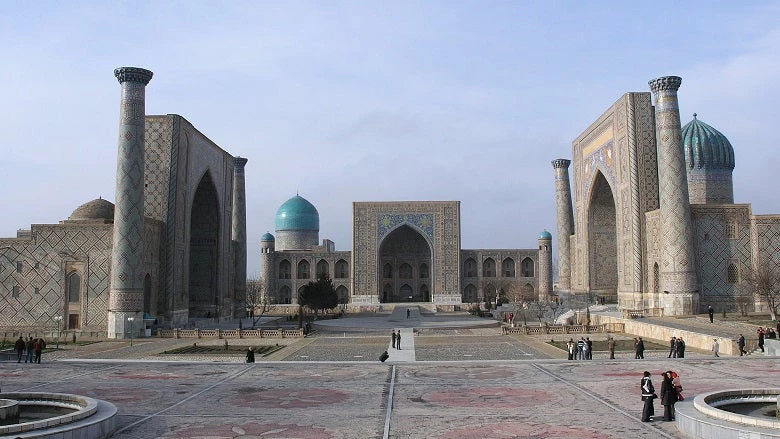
(386, 223)
(157, 166)
(565, 221)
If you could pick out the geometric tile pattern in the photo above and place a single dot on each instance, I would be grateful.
(157, 163)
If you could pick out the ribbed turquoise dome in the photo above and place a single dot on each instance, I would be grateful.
(297, 214)
(705, 147)
(267, 237)
(545, 235)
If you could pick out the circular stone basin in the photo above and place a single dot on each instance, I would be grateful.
(40, 413)
(9, 411)
(730, 413)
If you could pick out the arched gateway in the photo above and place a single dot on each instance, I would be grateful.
(404, 257)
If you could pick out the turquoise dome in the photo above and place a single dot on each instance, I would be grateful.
(297, 214)
(545, 235)
(705, 147)
(267, 237)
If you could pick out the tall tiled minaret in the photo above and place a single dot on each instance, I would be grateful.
(239, 231)
(545, 265)
(678, 282)
(565, 215)
(126, 296)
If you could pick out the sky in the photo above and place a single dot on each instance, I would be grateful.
(375, 101)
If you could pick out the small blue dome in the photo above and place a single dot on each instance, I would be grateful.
(267, 237)
(545, 235)
(705, 147)
(297, 214)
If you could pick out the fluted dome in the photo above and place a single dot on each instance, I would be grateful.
(705, 147)
(267, 237)
(297, 214)
(545, 235)
(95, 210)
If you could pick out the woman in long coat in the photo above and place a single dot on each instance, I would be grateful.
(668, 396)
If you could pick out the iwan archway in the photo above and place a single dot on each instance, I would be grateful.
(602, 238)
(204, 250)
(404, 267)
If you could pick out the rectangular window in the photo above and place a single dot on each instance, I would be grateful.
(37, 290)
(732, 229)
(19, 267)
(16, 291)
(37, 265)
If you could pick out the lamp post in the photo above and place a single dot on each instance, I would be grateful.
(58, 320)
(132, 329)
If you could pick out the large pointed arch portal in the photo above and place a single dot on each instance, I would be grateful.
(602, 238)
(204, 250)
(404, 258)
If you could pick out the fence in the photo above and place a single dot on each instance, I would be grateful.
(230, 333)
(564, 329)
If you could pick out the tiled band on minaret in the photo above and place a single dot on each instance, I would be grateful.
(678, 282)
(239, 231)
(126, 292)
(565, 216)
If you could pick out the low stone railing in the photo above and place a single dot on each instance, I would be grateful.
(563, 329)
(639, 313)
(230, 333)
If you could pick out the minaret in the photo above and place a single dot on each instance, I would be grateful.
(678, 282)
(545, 265)
(565, 215)
(239, 232)
(126, 296)
(267, 267)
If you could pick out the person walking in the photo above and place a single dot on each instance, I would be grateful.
(711, 312)
(398, 340)
(393, 338)
(250, 355)
(648, 394)
(715, 347)
(570, 348)
(668, 396)
(680, 347)
(611, 347)
(761, 339)
(37, 347)
(741, 344)
(589, 346)
(408, 312)
(19, 347)
(640, 348)
(29, 350)
(581, 349)
(672, 347)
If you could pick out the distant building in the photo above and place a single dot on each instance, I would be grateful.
(402, 252)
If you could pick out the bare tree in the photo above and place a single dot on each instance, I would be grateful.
(257, 301)
(521, 298)
(765, 283)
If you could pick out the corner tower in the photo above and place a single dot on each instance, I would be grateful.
(565, 215)
(545, 265)
(678, 281)
(267, 265)
(126, 294)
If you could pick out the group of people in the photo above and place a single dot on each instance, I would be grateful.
(396, 339)
(30, 349)
(676, 348)
(582, 349)
(671, 392)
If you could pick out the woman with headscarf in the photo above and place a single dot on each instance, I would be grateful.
(668, 396)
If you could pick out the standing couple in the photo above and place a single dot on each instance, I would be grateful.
(670, 393)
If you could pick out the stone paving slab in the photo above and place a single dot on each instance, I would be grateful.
(497, 399)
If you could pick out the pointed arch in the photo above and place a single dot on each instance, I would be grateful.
(470, 294)
(285, 295)
(424, 271)
(489, 268)
(285, 269)
(343, 294)
(323, 268)
(527, 267)
(508, 267)
(204, 275)
(470, 267)
(303, 270)
(342, 269)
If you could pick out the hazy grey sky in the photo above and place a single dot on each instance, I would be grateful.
(375, 101)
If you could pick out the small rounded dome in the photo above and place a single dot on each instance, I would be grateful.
(297, 214)
(705, 147)
(267, 237)
(545, 235)
(95, 210)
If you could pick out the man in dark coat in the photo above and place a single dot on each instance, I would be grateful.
(711, 312)
(398, 340)
(680, 348)
(672, 348)
(741, 344)
(19, 348)
(648, 394)
(640, 348)
(761, 339)
(393, 337)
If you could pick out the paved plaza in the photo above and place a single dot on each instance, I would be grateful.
(443, 383)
